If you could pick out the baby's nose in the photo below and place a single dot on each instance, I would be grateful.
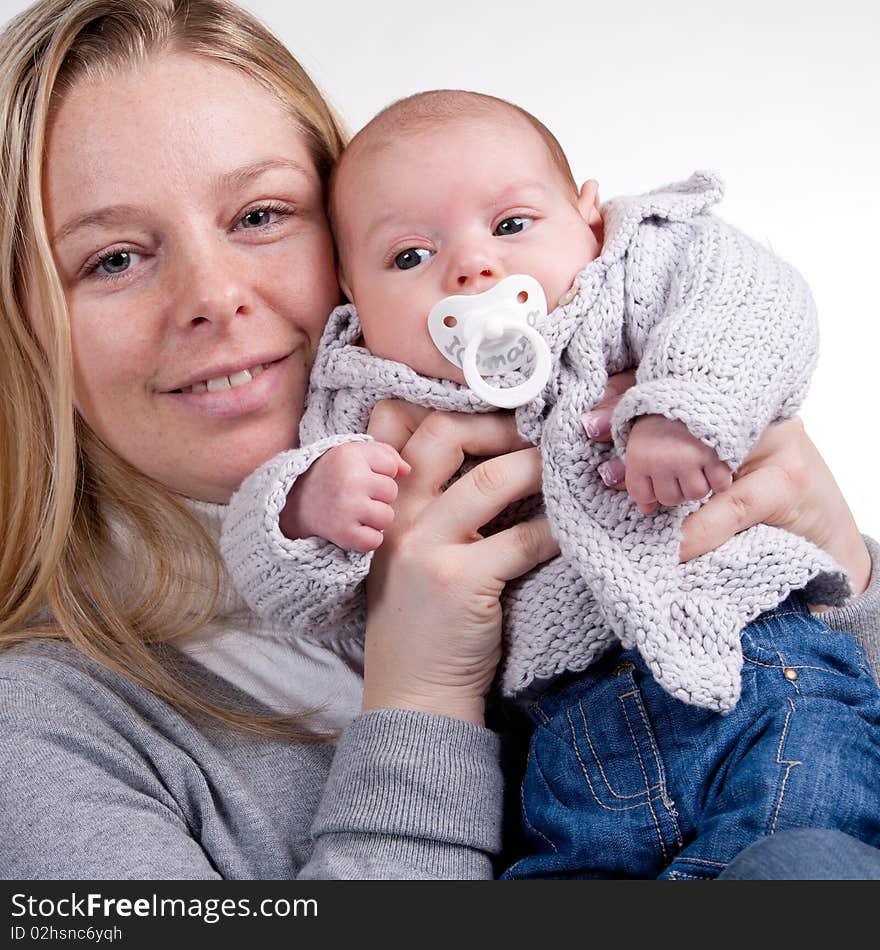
(471, 278)
(464, 278)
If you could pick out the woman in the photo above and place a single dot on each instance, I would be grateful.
(165, 163)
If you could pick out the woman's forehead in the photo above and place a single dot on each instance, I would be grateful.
(174, 122)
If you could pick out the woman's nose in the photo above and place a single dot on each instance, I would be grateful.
(213, 287)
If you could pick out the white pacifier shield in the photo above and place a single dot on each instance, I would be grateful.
(490, 333)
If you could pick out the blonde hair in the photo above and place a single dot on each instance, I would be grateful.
(61, 488)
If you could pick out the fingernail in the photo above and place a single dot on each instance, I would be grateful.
(612, 472)
(597, 423)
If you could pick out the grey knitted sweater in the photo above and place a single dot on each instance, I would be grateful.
(725, 338)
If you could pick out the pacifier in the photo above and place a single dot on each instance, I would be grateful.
(490, 333)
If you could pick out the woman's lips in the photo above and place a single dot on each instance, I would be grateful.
(238, 400)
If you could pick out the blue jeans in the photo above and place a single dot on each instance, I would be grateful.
(624, 781)
(805, 854)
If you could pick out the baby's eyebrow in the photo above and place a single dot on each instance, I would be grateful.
(528, 187)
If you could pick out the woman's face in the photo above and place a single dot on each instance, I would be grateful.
(189, 230)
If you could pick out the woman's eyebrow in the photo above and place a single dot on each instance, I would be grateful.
(115, 214)
(230, 181)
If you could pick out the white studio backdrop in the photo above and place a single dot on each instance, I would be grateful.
(778, 96)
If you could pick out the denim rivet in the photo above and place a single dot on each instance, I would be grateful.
(623, 667)
(790, 674)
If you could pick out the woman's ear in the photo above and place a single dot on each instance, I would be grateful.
(343, 283)
(588, 205)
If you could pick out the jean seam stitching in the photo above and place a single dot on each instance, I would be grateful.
(577, 752)
(525, 814)
(717, 864)
(791, 666)
(644, 774)
(668, 804)
(789, 763)
(599, 765)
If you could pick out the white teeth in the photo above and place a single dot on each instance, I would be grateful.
(219, 383)
(243, 376)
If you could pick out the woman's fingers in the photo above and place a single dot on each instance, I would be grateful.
(393, 421)
(753, 499)
(438, 446)
(518, 549)
(481, 494)
(597, 422)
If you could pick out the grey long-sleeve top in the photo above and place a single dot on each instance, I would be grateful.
(725, 338)
(101, 779)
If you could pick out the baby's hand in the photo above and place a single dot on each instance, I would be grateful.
(345, 496)
(666, 464)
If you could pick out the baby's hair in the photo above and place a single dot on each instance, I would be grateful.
(423, 110)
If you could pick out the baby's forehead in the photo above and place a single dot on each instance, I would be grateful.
(432, 143)
(379, 141)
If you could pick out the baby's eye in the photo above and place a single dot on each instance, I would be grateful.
(411, 257)
(512, 226)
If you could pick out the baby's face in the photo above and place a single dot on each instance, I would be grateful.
(452, 210)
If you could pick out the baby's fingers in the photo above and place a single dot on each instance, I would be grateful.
(382, 488)
(641, 490)
(361, 538)
(667, 490)
(694, 484)
(386, 460)
(719, 476)
(377, 515)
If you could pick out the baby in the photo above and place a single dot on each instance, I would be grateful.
(632, 771)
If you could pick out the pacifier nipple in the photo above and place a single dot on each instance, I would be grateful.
(491, 333)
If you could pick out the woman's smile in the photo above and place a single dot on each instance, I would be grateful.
(237, 392)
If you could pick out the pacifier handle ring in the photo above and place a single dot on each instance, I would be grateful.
(512, 396)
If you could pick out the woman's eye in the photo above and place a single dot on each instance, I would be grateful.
(411, 257)
(257, 219)
(263, 217)
(116, 263)
(512, 226)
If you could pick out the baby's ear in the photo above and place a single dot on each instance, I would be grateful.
(588, 202)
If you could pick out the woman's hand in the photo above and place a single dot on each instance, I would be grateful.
(433, 614)
(784, 482)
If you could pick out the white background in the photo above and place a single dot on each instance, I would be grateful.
(782, 98)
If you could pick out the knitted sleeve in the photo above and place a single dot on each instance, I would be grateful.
(724, 332)
(306, 584)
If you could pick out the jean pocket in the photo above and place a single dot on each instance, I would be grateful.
(596, 772)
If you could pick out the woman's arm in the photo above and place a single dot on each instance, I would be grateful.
(416, 788)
